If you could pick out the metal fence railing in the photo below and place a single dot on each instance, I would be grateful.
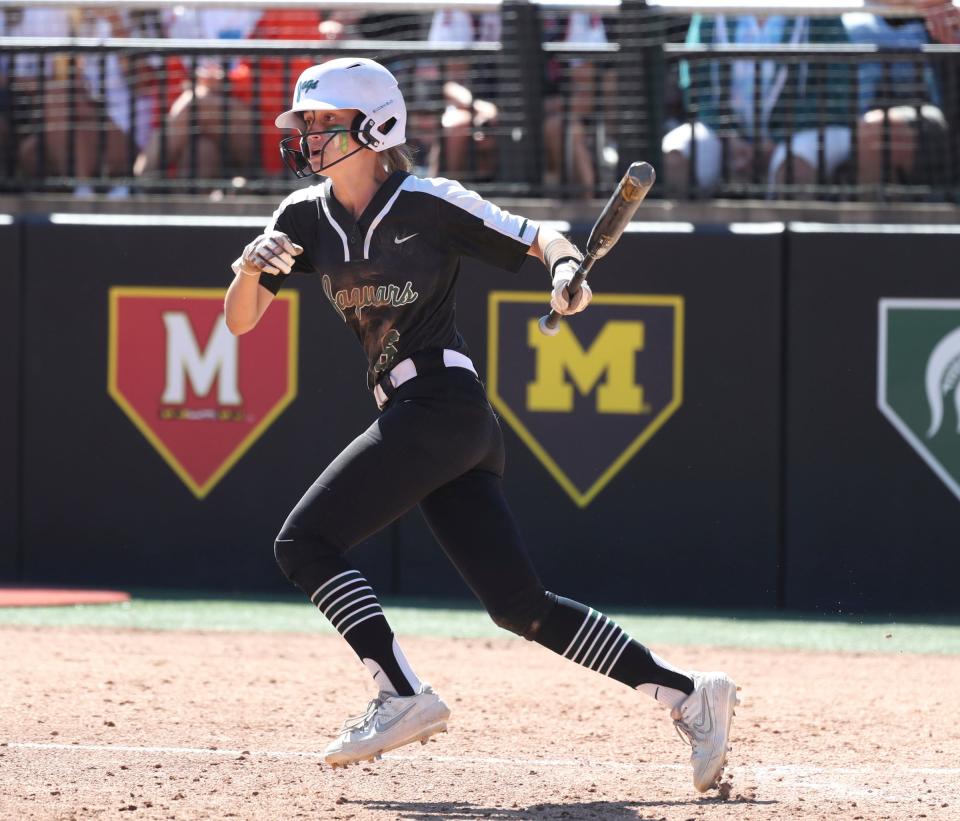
(513, 98)
(833, 139)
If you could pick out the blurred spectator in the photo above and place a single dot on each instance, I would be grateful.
(570, 97)
(10, 17)
(380, 25)
(796, 101)
(29, 114)
(942, 19)
(225, 133)
(270, 79)
(231, 139)
(86, 100)
(123, 92)
(898, 103)
(199, 101)
(469, 91)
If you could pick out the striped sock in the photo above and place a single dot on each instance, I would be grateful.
(589, 638)
(348, 601)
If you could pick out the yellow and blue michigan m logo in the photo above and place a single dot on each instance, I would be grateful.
(586, 400)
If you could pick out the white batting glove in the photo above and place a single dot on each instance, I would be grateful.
(270, 253)
(560, 296)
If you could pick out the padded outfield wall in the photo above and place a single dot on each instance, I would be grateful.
(873, 418)
(708, 434)
(10, 374)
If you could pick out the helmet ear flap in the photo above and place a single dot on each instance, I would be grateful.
(363, 136)
(362, 127)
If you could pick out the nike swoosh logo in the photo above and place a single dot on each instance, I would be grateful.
(382, 726)
(705, 721)
(398, 240)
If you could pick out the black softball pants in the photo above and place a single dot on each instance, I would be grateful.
(439, 445)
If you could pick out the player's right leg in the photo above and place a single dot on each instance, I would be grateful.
(403, 456)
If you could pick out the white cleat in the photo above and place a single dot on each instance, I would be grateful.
(389, 722)
(703, 720)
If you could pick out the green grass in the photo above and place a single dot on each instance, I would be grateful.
(162, 610)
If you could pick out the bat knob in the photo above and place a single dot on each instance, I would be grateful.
(643, 173)
(547, 328)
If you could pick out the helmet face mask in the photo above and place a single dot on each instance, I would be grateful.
(297, 152)
(345, 83)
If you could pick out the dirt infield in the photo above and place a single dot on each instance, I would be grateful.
(101, 723)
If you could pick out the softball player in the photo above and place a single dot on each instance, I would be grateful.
(386, 245)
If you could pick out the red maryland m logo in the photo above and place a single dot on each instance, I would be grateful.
(200, 395)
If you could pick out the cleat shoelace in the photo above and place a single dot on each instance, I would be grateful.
(686, 734)
(363, 720)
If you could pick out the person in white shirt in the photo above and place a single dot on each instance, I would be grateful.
(111, 87)
(469, 118)
(572, 91)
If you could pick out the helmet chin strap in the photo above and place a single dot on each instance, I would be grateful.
(324, 166)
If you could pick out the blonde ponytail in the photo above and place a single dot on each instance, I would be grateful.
(398, 158)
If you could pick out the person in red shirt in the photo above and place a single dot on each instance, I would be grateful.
(268, 78)
(228, 142)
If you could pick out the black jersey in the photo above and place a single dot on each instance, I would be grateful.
(391, 274)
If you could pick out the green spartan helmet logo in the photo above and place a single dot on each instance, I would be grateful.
(918, 379)
(942, 379)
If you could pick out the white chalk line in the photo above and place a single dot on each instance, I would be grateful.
(776, 782)
(760, 770)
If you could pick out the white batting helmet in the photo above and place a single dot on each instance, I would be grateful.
(352, 82)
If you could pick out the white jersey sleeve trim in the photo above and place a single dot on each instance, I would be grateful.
(494, 217)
